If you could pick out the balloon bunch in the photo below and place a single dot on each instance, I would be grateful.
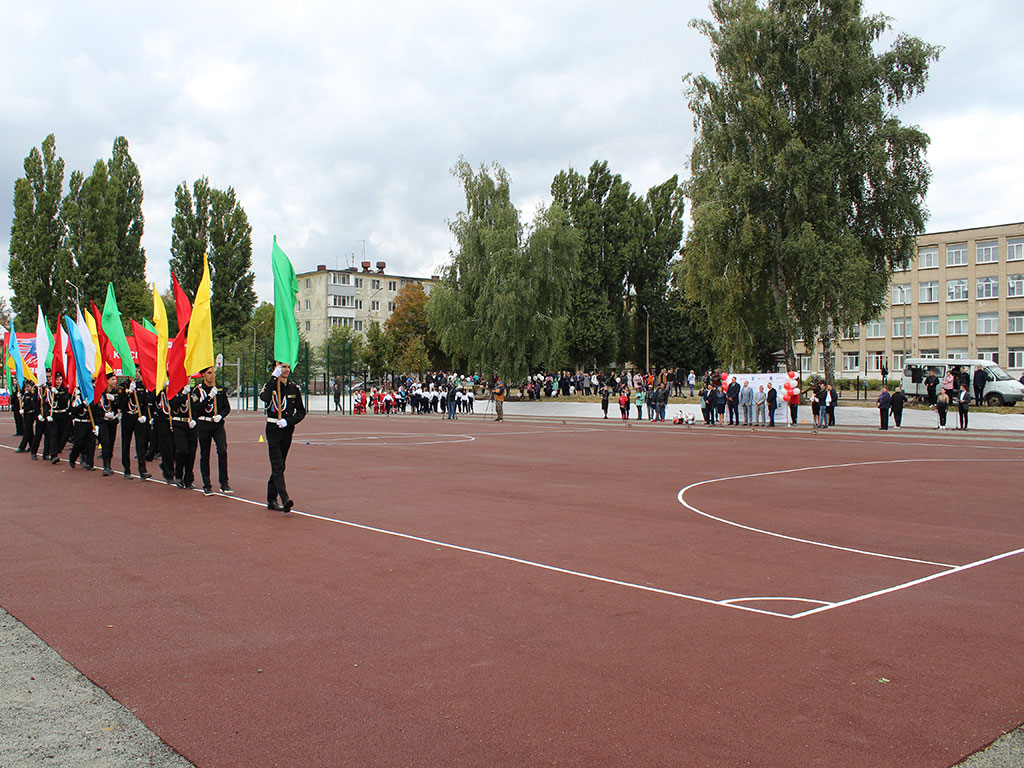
(792, 391)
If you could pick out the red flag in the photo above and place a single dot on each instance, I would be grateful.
(106, 353)
(177, 377)
(58, 355)
(69, 379)
(145, 348)
(182, 306)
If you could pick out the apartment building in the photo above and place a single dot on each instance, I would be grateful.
(961, 297)
(353, 297)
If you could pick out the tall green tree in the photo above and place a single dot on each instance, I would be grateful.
(378, 350)
(211, 221)
(38, 264)
(807, 189)
(329, 355)
(409, 321)
(500, 306)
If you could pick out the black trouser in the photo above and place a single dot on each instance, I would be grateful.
(897, 416)
(108, 431)
(962, 411)
(734, 413)
(279, 441)
(18, 420)
(883, 415)
(57, 433)
(165, 443)
(979, 394)
(185, 443)
(83, 442)
(40, 431)
(831, 411)
(942, 415)
(132, 429)
(28, 432)
(208, 431)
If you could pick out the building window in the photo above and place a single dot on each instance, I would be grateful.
(988, 253)
(359, 282)
(1015, 323)
(375, 284)
(928, 258)
(853, 332)
(359, 304)
(851, 361)
(1014, 286)
(929, 354)
(929, 326)
(346, 322)
(875, 361)
(307, 326)
(1015, 250)
(988, 322)
(901, 327)
(876, 329)
(897, 361)
(956, 290)
(956, 325)
(391, 306)
(928, 292)
(901, 293)
(374, 306)
(392, 285)
(359, 325)
(821, 361)
(339, 278)
(957, 354)
(992, 355)
(306, 303)
(804, 361)
(956, 255)
(988, 287)
(307, 282)
(1016, 358)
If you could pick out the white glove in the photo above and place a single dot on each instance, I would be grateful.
(96, 431)
(191, 424)
(142, 419)
(49, 418)
(131, 387)
(277, 372)
(282, 423)
(109, 415)
(39, 417)
(217, 418)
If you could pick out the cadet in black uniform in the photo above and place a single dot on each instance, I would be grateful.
(29, 415)
(105, 416)
(58, 430)
(16, 410)
(133, 403)
(284, 410)
(44, 419)
(164, 434)
(84, 432)
(185, 441)
(210, 406)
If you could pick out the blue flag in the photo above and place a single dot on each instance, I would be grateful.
(78, 351)
(14, 350)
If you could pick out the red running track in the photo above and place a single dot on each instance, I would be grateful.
(245, 637)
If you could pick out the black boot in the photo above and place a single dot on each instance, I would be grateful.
(107, 471)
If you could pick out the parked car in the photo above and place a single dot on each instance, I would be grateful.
(1001, 389)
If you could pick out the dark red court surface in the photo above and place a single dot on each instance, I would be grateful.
(245, 637)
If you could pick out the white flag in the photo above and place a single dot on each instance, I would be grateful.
(42, 348)
(90, 348)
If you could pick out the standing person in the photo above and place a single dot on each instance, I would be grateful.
(979, 382)
(759, 400)
(691, 379)
(661, 401)
(732, 399)
(721, 403)
(451, 397)
(814, 396)
(794, 405)
(931, 384)
(105, 414)
(963, 404)
(336, 391)
(896, 402)
(638, 401)
(624, 403)
(823, 406)
(284, 410)
(186, 441)
(498, 392)
(833, 400)
(605, 394)
(163, 428)
(772, 402)
(133, 404)
(949, 384)
(885, 373)
(19, 420)
(705, 405)
(30, 414)
(210, 406)
(44, 420)
(58, 429)
(884, 402)
(747, 404)
(941, 406)
(84, 432)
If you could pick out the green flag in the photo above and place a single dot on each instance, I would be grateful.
(286, 329)
(115, 332)
(148, 325)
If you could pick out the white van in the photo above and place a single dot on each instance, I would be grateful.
(1001, 389)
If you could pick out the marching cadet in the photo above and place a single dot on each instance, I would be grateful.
(185, 441)
(133, 402)
(43, 420)
(284, 410)
(58, 428)
(210, 406)
(84, 432)
(164, 434)
(30, 416)
(105, 415)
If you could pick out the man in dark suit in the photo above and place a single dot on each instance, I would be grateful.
(884, 402)
(732, 400)
(773, 403)
(979, 381)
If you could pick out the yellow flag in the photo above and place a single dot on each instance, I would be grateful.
(160, 323)
(95, 342)
(199, 346)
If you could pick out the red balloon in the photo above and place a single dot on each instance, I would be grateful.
(788, 385)
(785, 396)
(792, 374)
(725, 376)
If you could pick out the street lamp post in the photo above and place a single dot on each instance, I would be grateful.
(78, 301)
(648, 340)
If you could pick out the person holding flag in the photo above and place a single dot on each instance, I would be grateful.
(31, 415)
(134, 405)
(105, 416)
(83, 430)
(284, 405)
(210, 406)
(57, 427)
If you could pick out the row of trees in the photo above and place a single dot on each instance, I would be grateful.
(68, 243)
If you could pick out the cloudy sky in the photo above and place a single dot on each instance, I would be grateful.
(337, 123)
